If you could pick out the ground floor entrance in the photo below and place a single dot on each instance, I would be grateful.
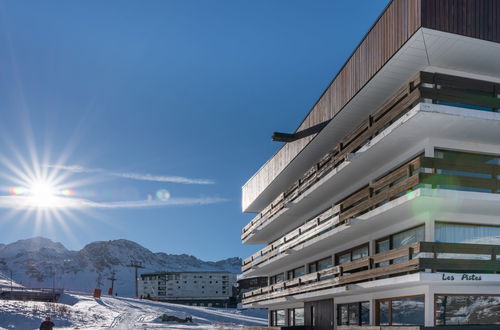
(420, 300)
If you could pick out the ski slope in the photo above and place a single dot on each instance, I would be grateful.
(76, 311)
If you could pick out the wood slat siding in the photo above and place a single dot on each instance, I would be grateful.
(393, 28)
(472, 18)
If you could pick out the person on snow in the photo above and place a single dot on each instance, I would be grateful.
(47, 324)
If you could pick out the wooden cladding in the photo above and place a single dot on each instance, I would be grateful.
(402, 18)
(365, 269)
(472, 18)
(393, 28)
(432, 86)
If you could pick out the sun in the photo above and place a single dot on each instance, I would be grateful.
(42, 194)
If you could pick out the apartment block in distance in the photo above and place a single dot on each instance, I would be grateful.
(383, 207)
(211, 289)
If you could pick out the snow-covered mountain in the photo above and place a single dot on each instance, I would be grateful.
(40, 262)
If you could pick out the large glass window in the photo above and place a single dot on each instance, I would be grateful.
(352, 254)
(398, 240)
(277, 278)
(459, 310)
(297, 317)
(325, 263)
(280, 317)
(401, 311)
(297, 272)
(408, 237)
(354, 313)
(466, 233)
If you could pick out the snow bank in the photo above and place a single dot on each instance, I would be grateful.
(76, 311)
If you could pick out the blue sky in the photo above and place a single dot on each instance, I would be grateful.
(118, 99)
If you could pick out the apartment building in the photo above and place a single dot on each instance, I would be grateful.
(383, 207)
(212, 289)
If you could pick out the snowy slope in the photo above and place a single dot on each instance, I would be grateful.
(40, 262)
(83, 312)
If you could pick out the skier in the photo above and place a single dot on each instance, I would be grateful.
(47, 324)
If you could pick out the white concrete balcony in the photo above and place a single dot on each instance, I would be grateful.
(402, 139)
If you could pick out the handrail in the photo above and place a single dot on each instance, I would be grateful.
(435, 86)
(369, 268)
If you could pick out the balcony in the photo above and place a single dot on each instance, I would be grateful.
(415, 258)
(474, 95)
(416, 173)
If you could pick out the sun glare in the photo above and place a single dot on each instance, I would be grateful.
(43, 194)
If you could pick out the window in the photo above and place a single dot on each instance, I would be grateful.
(383, 246)
(296, 317)
(467, 309)
(467, 233)
(352, 254)
(277, 278)
(400, 311)
(280, 317)
(398, 240)
(354, 313)
(320, 265)
(297, 272)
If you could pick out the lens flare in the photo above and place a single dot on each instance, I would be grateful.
(17, 191)
(67, 192)
(163, 195)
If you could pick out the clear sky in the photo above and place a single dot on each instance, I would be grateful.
(149, 116)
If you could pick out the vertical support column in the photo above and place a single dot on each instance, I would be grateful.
(372, 248)
(429, 236)
(429, 307)
(335, 316)
(372, 312)
(429, 228)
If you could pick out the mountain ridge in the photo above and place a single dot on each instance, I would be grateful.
(41, 262)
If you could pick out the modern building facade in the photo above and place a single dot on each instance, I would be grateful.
(211, 289)
(383, 208)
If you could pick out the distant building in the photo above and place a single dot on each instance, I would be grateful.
(211, 289)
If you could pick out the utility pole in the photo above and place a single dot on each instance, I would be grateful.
(136, 266)
(112, 279)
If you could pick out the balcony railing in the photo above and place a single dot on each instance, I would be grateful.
(366, 269)
(425, 86)
(389, 187)
(434, 172)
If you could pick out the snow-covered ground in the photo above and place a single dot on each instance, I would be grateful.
(77, 311)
